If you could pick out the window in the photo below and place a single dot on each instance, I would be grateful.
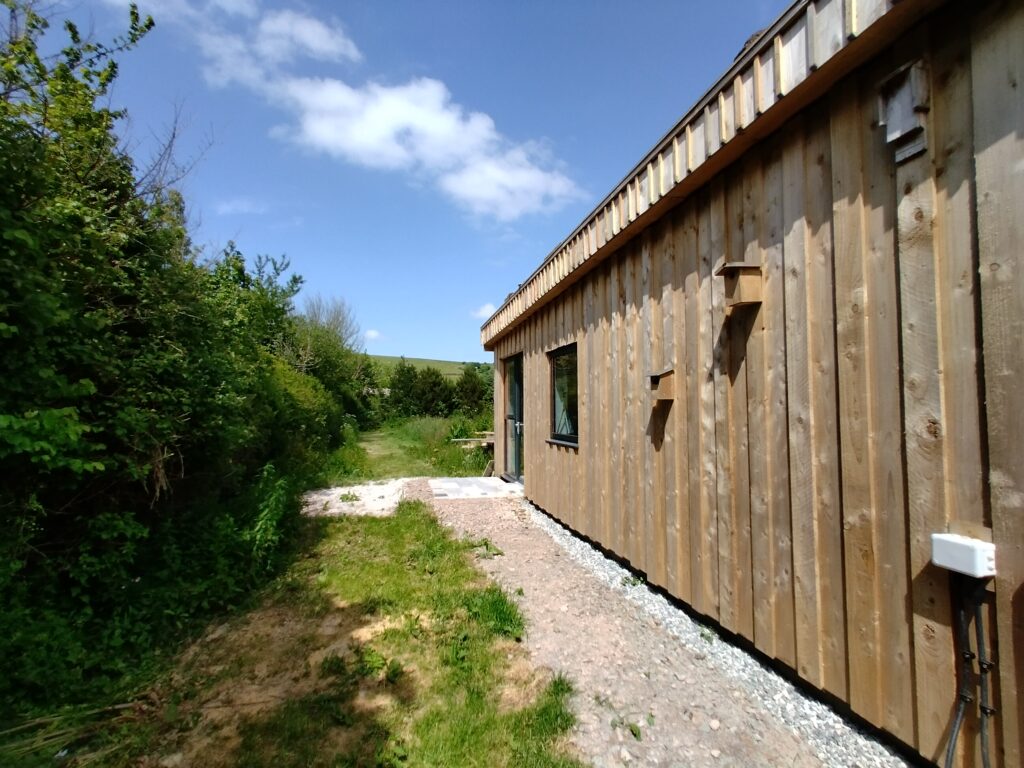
(564, 395)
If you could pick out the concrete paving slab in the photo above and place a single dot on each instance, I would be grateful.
(474, 488)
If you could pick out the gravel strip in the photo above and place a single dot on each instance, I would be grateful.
(835, 740)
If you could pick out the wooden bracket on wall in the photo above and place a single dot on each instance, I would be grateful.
(662, 384)
(742, 283)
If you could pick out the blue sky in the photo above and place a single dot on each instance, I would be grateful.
(417, 159)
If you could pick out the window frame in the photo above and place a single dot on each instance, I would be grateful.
(556, 437)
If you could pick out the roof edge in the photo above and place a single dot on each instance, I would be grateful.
(812, 41)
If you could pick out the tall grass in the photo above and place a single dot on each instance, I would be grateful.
(415, 447)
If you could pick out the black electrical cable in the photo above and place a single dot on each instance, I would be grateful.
(985, 666)
(966, 668)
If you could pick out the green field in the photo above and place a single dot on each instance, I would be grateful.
(447, 367)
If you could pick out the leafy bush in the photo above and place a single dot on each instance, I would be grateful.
(434, 395)
(150, 433)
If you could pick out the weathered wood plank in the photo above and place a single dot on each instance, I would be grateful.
(659, 454)
(888, 492)
(617, 368)
(997, 75)
(760, 537)
(793, 67)
(709, 316)
(823, 401)
(798, 366)
(677, 333)
(860, 535)
(720, 339)
(631, 469)
(924, 424)
(604, 404)
(743, 228)
(653, 532)
(692, 289)
(776, 424)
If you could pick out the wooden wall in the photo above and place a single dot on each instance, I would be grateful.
(817, 439)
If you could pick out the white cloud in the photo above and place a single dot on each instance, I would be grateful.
(282, 35)
(240, 206)
(484, 312)
(418, 127)
(415, 127)
(508, 185)
(229, 59)
(404, 126)
(247, 8)
(372, 335)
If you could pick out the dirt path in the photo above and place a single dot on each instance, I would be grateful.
(643, 697)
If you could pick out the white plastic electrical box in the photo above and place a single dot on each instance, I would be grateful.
(963, 554)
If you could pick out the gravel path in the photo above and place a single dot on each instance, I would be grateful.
(653, 687)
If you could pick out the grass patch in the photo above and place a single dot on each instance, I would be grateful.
(384, 647)
(417, 447)
(449, 368)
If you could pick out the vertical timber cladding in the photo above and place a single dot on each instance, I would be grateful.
(818, 437)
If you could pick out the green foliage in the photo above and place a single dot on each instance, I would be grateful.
(402, 397)
(434, 395)
(321, 346)
(150, 427)
(474, 390)
(425, 390)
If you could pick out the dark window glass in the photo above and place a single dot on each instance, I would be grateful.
(564, 395)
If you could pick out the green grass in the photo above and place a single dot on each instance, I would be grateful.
(447, 367)
(416, 447)
(384, 647)
(453, 630)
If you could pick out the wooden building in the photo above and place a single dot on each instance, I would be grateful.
(789, 346)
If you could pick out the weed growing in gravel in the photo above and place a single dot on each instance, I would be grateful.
(634, 728)
(707, 635)
(487, 547)
(348, 496)
(631, 581)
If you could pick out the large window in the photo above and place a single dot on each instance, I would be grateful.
(564, 395)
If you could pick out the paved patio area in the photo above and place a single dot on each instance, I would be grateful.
(474, 488)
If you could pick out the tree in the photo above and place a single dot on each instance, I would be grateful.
(144, 418)
(325, 343)
(433, 394)
(471, 392)
(402, 398)
(336, 316)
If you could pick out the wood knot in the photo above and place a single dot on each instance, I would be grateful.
(933, 429)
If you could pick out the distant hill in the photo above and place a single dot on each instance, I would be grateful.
(447, 367)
